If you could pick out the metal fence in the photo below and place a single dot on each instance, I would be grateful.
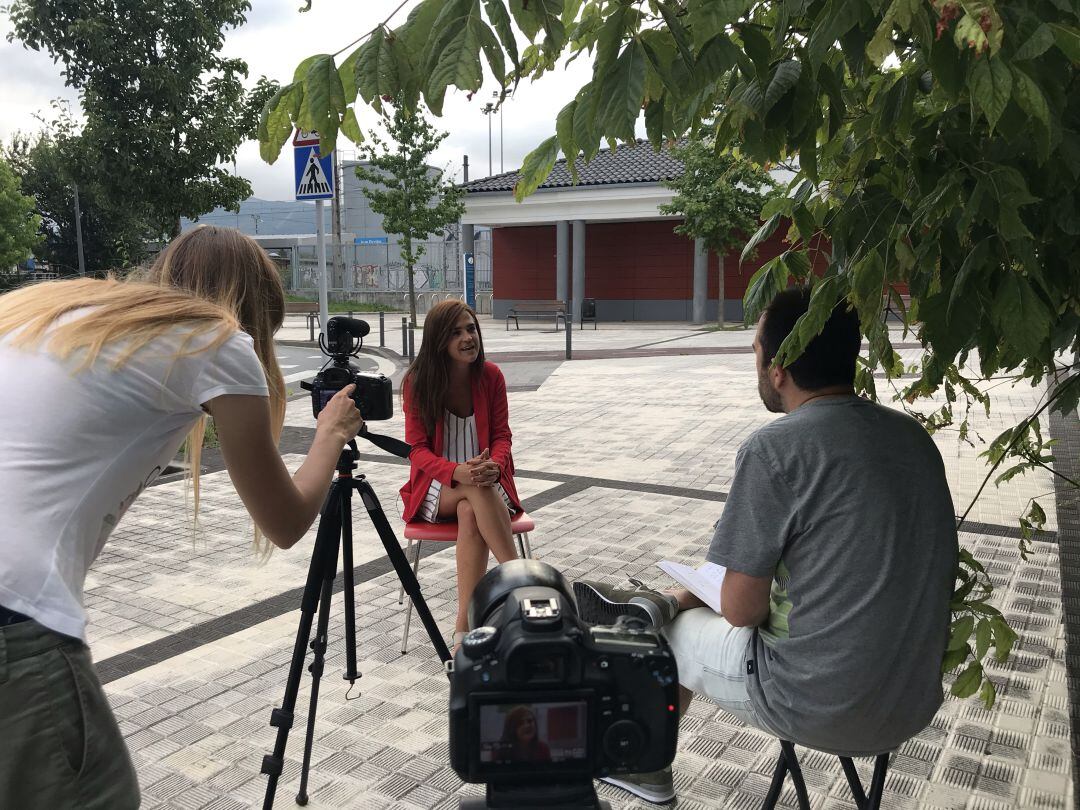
(377, 274)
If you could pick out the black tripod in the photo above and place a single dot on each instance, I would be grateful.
(335, 527)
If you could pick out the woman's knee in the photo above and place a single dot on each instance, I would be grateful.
(466, 517)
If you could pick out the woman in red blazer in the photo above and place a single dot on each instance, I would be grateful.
(461, 467)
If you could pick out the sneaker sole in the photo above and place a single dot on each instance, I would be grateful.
(594, 608)
(649, 794)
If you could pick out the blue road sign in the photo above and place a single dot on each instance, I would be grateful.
(470, 280)
(369, 240)
(314, 173)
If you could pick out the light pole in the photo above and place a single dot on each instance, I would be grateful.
(489, 108)
(502, 165)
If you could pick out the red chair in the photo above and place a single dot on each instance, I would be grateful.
(419, 531)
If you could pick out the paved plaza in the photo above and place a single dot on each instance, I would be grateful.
(624, 456)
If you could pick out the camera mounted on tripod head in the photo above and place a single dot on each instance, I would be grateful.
(373, 394)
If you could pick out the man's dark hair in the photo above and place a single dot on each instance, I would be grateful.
(829, 359)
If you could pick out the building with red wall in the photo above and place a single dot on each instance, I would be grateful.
(605, 239)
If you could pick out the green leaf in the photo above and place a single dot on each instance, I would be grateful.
(1004, 638)
(1030, 97)
(1067, 38)
(622, 90)
(868, 285)
(453, 57)
(350, 127)
(275, 124)
(990, 83)
(678, 32)
(954, 658)
(586, 135)
(784, 77)
(500, 19)
(709, 18)
(536, 168)
(373, 65)
(836, 19)
(564, 130)
(758, 47)
(767, 281)
(967, 682)
(768, 227)
(1036, 45)
(823, 299)
(1020, 314)
(983, 637)
(974, 262)
(324, 101)
(347, 74)
(961, 632)
(988, 694)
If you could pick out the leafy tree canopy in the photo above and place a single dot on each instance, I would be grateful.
(415, 199)
(18, 222)
(719, 196)
(939, 152)
(50, 165)
(164, 111)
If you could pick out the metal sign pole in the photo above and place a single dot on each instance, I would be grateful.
(320, 241)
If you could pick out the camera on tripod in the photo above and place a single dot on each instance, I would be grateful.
(540, 703)
(373, 394)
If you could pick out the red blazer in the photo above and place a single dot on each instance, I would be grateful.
(492, 432)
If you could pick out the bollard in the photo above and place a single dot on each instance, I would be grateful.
(382, 330)
(412, 354)
(404, 337)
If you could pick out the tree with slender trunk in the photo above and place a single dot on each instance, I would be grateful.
(415, 199)
(719, 196)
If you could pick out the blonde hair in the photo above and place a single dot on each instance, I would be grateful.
(125, 313)
(230, 269)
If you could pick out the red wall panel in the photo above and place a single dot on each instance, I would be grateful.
(643, 260)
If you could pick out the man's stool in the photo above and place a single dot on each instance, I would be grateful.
(789, 763)
(419, 530)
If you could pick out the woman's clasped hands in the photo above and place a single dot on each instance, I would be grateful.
(480, 471)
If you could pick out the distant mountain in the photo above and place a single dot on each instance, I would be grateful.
(266, 217)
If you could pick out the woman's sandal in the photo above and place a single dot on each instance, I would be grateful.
(459, 635)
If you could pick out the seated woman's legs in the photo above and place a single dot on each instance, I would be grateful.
(483, 526)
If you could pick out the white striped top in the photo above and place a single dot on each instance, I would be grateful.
(460, 443)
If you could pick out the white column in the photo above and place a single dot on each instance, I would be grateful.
(701, 280)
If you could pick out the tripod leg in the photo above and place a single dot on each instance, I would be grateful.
(401, 566)
(316, 669)
(326, 541)
(408, 610)
(348, 586)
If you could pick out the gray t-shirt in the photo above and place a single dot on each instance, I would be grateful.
(844, 503)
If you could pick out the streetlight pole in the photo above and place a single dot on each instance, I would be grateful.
(502, 165)
(489, 108)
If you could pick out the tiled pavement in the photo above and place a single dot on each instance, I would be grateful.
(623, 462)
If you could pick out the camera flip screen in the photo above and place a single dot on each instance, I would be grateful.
(524, 733)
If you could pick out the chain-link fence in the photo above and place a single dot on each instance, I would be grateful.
(376, 274)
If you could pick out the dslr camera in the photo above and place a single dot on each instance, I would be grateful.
(541, 704)
(373, 394)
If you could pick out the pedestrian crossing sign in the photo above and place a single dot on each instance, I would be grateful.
(314, 173)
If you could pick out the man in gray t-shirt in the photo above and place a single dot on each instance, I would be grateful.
(839, 539)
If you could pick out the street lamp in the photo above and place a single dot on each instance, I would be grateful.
(502, 167)
(488, 109)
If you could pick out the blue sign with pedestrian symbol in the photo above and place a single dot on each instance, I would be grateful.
(314, 173)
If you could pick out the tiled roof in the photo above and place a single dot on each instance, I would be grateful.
(628, 163)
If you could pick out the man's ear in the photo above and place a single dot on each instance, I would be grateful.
(777, 375)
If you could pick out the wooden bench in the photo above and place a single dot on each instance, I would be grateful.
(308, 308)
(536, 309)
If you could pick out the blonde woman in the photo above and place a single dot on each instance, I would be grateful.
(103, 380)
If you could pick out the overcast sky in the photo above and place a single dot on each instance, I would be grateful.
(273, 41)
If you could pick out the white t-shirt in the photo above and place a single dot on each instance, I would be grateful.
(76, 449)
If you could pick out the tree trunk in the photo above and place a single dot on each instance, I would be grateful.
(720, 308)
(409, 270)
